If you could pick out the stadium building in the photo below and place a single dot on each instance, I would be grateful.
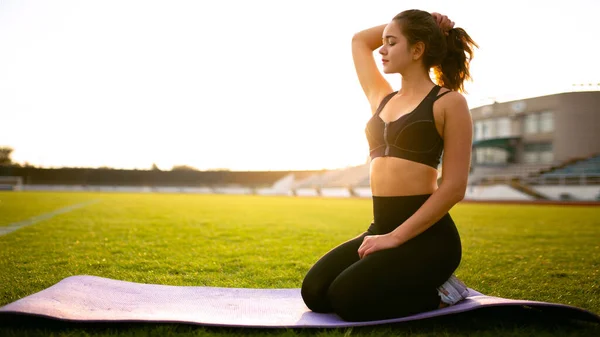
(529, 136)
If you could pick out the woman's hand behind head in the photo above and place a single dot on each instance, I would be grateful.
(443, 22)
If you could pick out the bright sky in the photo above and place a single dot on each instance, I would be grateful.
(244, 85)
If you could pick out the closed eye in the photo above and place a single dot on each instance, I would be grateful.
(389, 40)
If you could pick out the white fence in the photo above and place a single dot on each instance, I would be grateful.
(351, 182)
(493, 192)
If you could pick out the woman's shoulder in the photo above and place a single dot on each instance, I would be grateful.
(451, 103)
(450, 97)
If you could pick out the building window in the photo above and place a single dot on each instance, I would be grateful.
(531, 158)
(492, 128)
(546, 157)
(482, 130)
(490, 155)
(538, 153)
(547, 121)
(503, 127)
(539, 122)
(531, 123)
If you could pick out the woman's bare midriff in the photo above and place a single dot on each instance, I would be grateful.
(392, 176)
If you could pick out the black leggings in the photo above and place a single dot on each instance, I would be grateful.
(389, 283)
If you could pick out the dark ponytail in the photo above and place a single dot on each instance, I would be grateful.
(446, 54)
(454, 67)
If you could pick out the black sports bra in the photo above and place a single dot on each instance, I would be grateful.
(413, 136)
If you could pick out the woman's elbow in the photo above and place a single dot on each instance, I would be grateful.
(457, 191)
(461, 191)
(460, 195)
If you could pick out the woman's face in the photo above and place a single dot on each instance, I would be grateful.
(395, 52)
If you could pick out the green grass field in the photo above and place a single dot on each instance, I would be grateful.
(544, 253)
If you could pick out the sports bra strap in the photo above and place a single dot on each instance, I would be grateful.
(384, 102)
(438, 96)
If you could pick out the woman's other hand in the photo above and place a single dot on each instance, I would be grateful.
(443, 22)
(373, 243)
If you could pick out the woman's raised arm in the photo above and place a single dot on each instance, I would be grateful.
(374, 85)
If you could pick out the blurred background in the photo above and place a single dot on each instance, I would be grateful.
(261, 97)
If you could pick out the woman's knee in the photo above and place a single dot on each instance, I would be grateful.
(318, 279)
(346, 302)
(314, 294)
(356, 302)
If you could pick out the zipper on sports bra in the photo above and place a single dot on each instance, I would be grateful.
(387, 145)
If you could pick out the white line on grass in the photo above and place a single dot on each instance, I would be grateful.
(17, 225)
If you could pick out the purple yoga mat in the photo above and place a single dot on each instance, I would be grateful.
(97, 299)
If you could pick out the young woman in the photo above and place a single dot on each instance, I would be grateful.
(404, 263)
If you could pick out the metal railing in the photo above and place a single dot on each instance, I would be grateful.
(547, 179)
(564, 179)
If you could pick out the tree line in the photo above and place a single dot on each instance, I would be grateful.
(6, 160)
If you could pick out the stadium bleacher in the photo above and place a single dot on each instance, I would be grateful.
(573, 180)
(589, 166)
(503, 173)
(317, 180)
(349, 177)
(575, 172)
(576, 179)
